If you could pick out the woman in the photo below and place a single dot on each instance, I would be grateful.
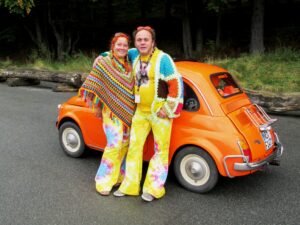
(109, 91)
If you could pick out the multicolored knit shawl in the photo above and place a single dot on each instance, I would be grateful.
(111, 86)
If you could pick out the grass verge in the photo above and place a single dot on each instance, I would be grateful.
(277, 71)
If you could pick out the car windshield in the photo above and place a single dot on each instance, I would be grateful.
(225, 84)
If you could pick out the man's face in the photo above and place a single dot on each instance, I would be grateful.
(144, 42)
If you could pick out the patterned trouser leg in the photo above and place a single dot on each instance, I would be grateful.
(159, 163)
(158, 167)
(109, 172)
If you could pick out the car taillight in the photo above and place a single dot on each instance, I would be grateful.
(244, 147)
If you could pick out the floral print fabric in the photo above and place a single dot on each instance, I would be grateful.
(110, 170)
(157, 172)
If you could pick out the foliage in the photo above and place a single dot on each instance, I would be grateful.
(277, 71)
(79, 62)
(22, 7)
(7, 35)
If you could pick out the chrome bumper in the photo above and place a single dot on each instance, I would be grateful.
(246, 166)
(257, 165)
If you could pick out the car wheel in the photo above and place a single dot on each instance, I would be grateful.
(195, 170)
(71, 140)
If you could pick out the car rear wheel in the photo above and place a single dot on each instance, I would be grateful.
(71, 140)
(195, 170)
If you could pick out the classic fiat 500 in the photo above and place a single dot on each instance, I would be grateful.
(219, 133)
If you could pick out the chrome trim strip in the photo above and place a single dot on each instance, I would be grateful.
(263, 115)
(255, 165)
(229, 157)
(241, 150)
(279, 145)
(211, 113)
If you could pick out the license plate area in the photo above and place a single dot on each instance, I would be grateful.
(267, 137)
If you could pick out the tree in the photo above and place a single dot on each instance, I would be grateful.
(199, 18)
(182, 9)
(21, 7)
(219, 7)
(257, 27)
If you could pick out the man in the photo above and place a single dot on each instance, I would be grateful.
(159, 99)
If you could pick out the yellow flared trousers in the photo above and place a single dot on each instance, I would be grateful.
(110, 171)
(142, 123)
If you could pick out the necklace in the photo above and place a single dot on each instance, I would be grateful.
(142, 75)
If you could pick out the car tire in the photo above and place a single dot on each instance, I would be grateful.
(195, 169)
(71, 140)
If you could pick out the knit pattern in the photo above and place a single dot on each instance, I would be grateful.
(111, 86)
(165, 71)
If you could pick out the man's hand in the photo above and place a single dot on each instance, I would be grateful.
(96, 60)
(162, 113)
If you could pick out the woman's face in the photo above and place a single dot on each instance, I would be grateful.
(121, 47)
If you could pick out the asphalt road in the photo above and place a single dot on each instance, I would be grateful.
(40, 185)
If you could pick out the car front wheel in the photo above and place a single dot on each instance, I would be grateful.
(71, 140)
(195, 169)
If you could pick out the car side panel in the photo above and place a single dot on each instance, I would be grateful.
(90, 125)
(216, 135)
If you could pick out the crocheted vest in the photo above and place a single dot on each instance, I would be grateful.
(111, 86)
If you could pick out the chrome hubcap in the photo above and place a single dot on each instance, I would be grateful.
(195, 169)
(71, 139)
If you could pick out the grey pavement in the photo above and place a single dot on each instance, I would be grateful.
(40, 185)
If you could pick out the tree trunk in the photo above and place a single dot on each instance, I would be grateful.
(199, 40)
(199, 18)
(257, 27)
(186, 32)
(63, 38)
(219, 30)
(38, 38)
(74, 79)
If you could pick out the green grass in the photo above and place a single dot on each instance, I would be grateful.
(76, 63)
(277, 71)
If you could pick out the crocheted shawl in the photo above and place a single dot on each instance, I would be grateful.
(111, 86)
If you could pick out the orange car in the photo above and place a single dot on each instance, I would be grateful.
(219, 132)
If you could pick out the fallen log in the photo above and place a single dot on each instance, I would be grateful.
(2, 79)
(73, 79)
(64, 88)
(275, 102)
(14, 82)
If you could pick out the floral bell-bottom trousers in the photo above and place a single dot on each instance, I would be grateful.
(112, 166)
(142, 123)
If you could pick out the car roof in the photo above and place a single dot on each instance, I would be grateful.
(191, 69)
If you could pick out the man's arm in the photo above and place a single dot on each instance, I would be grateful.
(174, 102)
(132, 54)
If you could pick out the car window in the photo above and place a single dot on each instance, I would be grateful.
(191, 102)
(225, 84)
